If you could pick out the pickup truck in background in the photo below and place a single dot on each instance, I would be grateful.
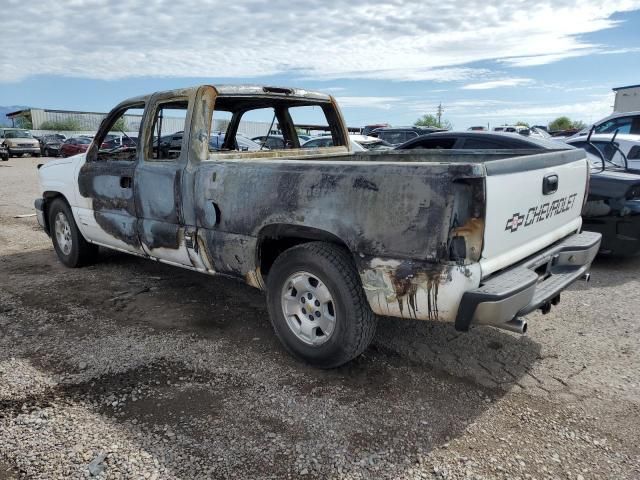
(335, 238)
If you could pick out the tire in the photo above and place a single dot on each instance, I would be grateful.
(331, 268)
(70, 246)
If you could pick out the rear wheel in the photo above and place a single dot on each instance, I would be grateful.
(317, 306)
(70, 246)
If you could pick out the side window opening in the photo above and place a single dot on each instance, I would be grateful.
(168, 130)
(121, 140)
(271, 124)
(311, 120)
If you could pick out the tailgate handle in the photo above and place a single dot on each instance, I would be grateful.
(550, 184)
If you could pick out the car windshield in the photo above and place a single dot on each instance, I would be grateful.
(17, 134)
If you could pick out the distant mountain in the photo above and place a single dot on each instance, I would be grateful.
(4, 110)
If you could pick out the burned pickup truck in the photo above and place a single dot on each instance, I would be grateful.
(335, 238)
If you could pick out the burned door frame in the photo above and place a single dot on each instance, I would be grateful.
(159, 187)
(107, 182)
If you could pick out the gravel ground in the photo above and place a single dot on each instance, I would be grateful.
(133, 369)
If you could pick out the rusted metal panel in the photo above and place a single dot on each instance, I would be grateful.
(414, 289)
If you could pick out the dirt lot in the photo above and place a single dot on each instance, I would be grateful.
(133, 369)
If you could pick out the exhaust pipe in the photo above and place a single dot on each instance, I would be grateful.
(517, 325)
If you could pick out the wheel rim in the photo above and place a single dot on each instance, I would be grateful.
(308, 308)
(63, 233)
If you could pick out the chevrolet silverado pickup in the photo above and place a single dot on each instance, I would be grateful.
(336, 238)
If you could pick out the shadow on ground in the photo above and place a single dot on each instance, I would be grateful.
(229, 386)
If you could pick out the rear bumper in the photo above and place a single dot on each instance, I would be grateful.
(534, 283)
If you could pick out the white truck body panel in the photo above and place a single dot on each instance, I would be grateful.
(521, 219)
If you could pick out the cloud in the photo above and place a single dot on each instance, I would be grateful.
(512, 111)
(398, 40)
(384, 103)
(504, 82)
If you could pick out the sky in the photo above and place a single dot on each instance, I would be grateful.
(487, 62)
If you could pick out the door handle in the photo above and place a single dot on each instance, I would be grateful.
(125, 182)
(550, 184)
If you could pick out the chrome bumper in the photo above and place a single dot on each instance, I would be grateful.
(24, 149)
(534, 283)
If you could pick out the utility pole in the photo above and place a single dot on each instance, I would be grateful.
(439, 114)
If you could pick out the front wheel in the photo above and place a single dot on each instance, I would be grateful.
(317, 305)
(70, 246)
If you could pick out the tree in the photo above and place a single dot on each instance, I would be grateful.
(560, 123)
(432, 121)
(24, 122)
(521, 123)
(68, 125)
(120, 125)
(578, 124)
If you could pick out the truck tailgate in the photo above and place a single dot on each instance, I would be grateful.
(532, 202)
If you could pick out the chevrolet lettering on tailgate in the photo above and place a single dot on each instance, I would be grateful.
(540, 213)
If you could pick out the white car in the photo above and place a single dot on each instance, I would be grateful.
(628, 144)
(623, 122)
(510, 128)
(359, 143)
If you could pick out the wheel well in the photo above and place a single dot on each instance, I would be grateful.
(49, 197)
(275, 239)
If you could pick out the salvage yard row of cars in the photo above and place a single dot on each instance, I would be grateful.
(464, 227)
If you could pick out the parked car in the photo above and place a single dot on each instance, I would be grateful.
(478, 128)
(4, 153)
(538, 132)
(521, 129)
(480, 141)
(613, 204)
(332, 239)
(622, 122)
(624, 144)
(398, 135)
(359, 143)
(50, 145)
(271, 142)
(367, 129)
(19, 141)
(242, 143)
(119, 142)
(74, 145)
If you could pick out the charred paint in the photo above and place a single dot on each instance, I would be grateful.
(363, 183)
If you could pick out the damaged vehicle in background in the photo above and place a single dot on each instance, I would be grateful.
(50, 145)
(18, 142)
(334, 238)
(74, 145)
(613, 206)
